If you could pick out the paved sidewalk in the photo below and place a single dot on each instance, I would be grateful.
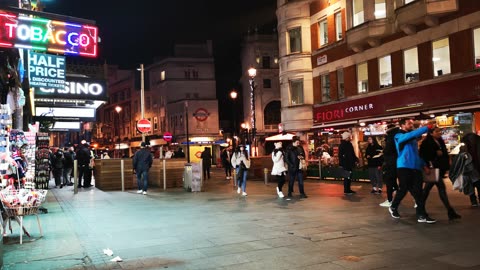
(217, 229)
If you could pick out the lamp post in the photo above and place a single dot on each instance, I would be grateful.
(118, 109)
(252, 72)
(142, 95)
(233, 95)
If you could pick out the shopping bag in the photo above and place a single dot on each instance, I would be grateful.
(432, 176)
(458, 184)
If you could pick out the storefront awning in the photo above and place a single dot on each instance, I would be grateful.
(280, 137)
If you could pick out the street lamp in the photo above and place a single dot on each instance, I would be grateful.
(233, 95)
(142, 95)
(118, 109)
(252, 72)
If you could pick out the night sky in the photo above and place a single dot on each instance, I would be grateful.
(134, 32)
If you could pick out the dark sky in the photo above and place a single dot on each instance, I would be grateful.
(134, 32)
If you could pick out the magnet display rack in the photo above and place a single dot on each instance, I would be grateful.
(42, 161)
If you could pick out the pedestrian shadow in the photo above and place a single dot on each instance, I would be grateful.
(352, 198)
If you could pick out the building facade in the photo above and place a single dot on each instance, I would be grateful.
(375, 61)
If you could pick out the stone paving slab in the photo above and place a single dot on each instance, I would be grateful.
(217, 229)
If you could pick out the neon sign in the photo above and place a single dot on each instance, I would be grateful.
(47, 35)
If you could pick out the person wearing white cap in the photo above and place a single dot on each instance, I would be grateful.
(279, 168)
(347, 159)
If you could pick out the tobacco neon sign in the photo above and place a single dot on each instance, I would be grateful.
(47, 35)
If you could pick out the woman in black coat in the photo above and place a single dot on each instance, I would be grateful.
(374, 155)
(434, 152)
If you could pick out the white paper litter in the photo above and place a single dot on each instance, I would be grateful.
(116, 259)
(108, 252)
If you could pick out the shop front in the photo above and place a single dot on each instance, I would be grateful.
(455, 104)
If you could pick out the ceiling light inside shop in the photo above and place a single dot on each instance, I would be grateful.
(362, 124)
(435, 59)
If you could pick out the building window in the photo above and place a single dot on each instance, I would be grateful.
(380, 9)
(295, 40)
(265, 61)
(410, 57)
(325, 84)
(341, 84)
(147, 103)
(267, 83)
(476, 41)
(338, 26)
(362, 77)
(296, 92)
(385, 70)
(155, 123)
(358, 12)
(162, 75)
(441, 57)
(323, 26)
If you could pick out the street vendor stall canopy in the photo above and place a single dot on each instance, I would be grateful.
(280, 137)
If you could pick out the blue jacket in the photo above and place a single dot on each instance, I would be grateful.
(407, 148)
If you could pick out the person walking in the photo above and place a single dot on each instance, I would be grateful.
(294, 154)
(83, 160)
(226, 156)
(434, 152)
(57, 166)
(206, 157)
(241, 163)
(390, 164)
(142, 162)
(374, 156)
(472, 145)
(279, 168)
(69, 156)
(409, 169)
(347, 160)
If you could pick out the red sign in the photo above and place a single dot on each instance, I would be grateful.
(201, 114)
(167, 136)
(416, 99)
(144, 126)
(41, 34)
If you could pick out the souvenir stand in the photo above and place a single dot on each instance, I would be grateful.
(18, 194)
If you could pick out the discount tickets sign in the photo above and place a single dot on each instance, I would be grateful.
(47, 35)
(46, 70)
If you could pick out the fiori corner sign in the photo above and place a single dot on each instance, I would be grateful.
(47, 35)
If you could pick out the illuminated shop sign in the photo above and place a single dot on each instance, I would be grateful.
(46, 70)
(66, 126)
(47, 35)
(66, 114)
(76, 88)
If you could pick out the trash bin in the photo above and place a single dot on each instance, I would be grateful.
(187, 177)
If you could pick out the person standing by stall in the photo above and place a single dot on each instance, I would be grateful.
(390, 164)
(347, 160)
(434, 153)
(241, 163)
(294, 154)
(409, 169)
(142, 161)
(279, 168)
(69, 156)
(374, 156)
(58, 164)
(83, 159)
(226, 156)
(206, 157)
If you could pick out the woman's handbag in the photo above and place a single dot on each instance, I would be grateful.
(433, 176)
(302, 165)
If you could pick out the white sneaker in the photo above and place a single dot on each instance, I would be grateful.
(228, 177)
(278, 191)
(280, 194)
(144, 193)
(239, 190)
(244, 194)
(415, 206)
(386, 203)
(139, 191)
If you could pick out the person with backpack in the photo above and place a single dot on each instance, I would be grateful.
(374, 155)
(390, 164)
(409, 169)
(294, 155)
(69, 156)
(279, 168)
(57, 167)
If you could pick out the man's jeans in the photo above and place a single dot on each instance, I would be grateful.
(291, 181)
(142, 175)
(66, 175)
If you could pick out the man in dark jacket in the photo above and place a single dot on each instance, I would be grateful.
(206, 157)
(142, 161)
(347, 159)
(83, 159)
(390, 164)
(69, 156)
(294, 153)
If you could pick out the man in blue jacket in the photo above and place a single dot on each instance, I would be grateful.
(409, 169)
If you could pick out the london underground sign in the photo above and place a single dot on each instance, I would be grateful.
(167, 136)
(144, 126)
(47, 35)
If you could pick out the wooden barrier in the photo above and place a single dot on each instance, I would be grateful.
(257, 165)
(108, 175)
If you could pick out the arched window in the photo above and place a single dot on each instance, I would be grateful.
(272, 115)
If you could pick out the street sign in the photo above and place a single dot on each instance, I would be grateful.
(167, 136)
(144, 126)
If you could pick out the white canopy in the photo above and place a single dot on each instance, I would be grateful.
(280, 137)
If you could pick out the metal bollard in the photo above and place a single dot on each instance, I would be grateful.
(75, 176)
(265, 172)
(122, 171)
(234, 177)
